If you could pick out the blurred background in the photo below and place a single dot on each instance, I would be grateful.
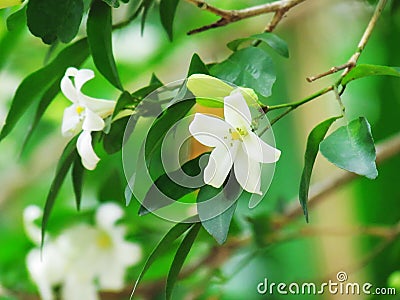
(320, 34)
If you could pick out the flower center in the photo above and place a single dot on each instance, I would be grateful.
(79, 109)
(104, 240)
(238, 133)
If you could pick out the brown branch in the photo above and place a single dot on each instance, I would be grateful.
(351, 63)
(230, 16)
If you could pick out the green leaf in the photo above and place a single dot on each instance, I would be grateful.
(211, 200)
(180, 258)
(145, 7)
(54, 19)
(111, 188)
(352, 148)
(66, 160)
(112, 3)
(361, 71)
(77, 180)
(173, 186)
(99, 32)
(250, 67)
(113, 141)
(162, 247)
(167, 15)
(314, 139)
(272, 40)
(36, 84)
(197, 66)
(125, 100)
(17, 20)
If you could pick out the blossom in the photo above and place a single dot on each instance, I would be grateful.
(83, 258)
(85, 113)
(235, 145)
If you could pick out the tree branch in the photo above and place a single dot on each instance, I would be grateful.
(230, 16)
(351, 63)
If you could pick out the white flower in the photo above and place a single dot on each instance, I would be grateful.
(85, 113)
(234, 143)
(82, 259)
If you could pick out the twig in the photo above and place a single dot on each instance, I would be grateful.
(230, 16)
(351, 63)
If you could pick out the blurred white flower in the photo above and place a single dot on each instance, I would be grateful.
(234, 143)
(85, 114)
(82, 259)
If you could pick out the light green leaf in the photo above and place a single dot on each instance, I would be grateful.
(167, 15)
(352, 148)
(361, 71)
(53, 20)
(36, 84)
(162, 247)
(250, 67)
(314, 139)
(180, 258)
(66, 160)
(99, 32)
(272, 40)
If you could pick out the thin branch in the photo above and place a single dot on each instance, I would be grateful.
(351, 63)
(230, 16)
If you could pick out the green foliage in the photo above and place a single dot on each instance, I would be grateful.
(77, 174)
(180, 258)
(115, 3)
(40, 82)
(314, 139)
(250, 67)
(270, 39)
(99, 32)
(53, 20)
(352, 148)
(167, 15)
(17, 20)
(364, 70)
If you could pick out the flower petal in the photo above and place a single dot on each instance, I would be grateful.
(202, 85)
(236, 111)
(85, 150)
(31, 214)
(71, 121)
(259, 150)
(219, 164)
(101, 107)
(247, 172)
(81, 77)
(92, 122)
(107, 214)
(76, 288)
(68, 89)
(208, 130)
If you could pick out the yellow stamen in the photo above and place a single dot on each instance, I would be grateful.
(104, 240)
(79, 109)
(235, 135)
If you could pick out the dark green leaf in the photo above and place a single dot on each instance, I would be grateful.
(66, 160)
(17, 20)
(145, 7)
(173, 186)
(36, 84)
(272, 40)
(180, 258)
(167, 15)
(125, 100)
(111, 188)
(352, 148)
(250, 67)
(314, 139)
(113, 141)
(361, 71)
(224, 200)
(54, 19)
(77, 180)
(99, 32)
(162, 247)
(197, 66)
(112, 3)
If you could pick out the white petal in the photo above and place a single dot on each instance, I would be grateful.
(107, 214)
(75, 288)
(258, 150)
(81, 77)
(85, 150)
(31, 214)
(68, 88)
(71, 72)
(92, 122)
(247, 172)
(236, 111)
(210, 131)
(71, 123)
(101, 107)
(219, 165)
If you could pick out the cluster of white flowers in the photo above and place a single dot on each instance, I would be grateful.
(85, 113)
(82, 259)
(234, 142)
